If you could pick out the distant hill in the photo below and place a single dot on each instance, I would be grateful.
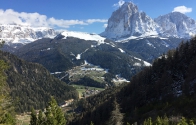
(32, 85)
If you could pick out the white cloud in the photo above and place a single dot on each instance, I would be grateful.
(10, 16)
(90, 21)
(105, 25)
(182, 9)
(119, 4)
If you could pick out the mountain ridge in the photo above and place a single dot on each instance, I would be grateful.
(128, 21)
(21, 34)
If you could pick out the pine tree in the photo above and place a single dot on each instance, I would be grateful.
(50, 113)
(148, 121)
(158, 121)
(128, 123)
(191, 122)
(165, 120)
(40, 119)
(183, 121)
(92, 123)
(60, 116)
(116, 116)
(54, 114)
(8, 119)
(33, 120)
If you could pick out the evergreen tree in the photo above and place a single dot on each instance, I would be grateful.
(40, 119)
(8, 119)
(116, 116)
(191, 122)
(148, 121)
(92, 123)
(53, 115)
(165, 120)
(33, 120)
(158, 121)
(183, 121)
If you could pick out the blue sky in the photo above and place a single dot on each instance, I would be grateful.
(85, 16)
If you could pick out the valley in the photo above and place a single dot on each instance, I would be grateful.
(139, 70)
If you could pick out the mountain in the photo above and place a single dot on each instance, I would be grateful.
(70, 49)
(15, 35)
(149, 48)
(32, 85)
(128, 21)
(135, 31)
(167, 88)
(177, 24)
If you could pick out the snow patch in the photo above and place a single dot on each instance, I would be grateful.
(92, 67)
(164, 43)
(119, 79)
(137, 64)
(137, 58)
(72, 54)
(79, 55)
(93, 46)
(150, 44)
(122, 51)
(147, 63)
(111, 44)
(56, 73)
(46, 49)
(85, 36)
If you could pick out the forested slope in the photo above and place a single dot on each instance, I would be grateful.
(32, 85)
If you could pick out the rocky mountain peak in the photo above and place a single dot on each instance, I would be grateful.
(177, 24)
(128, 7)
(128, 21)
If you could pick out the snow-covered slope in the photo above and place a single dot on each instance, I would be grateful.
(177, 24)
(24, 34)
(82, 35)
(128, 21)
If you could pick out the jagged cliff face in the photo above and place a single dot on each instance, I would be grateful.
(128, 21)
(177, 24)
(24, 34)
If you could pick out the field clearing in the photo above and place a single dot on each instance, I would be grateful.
(81, 89)
(22, 119)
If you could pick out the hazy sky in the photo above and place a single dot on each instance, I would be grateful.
(82, 15)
